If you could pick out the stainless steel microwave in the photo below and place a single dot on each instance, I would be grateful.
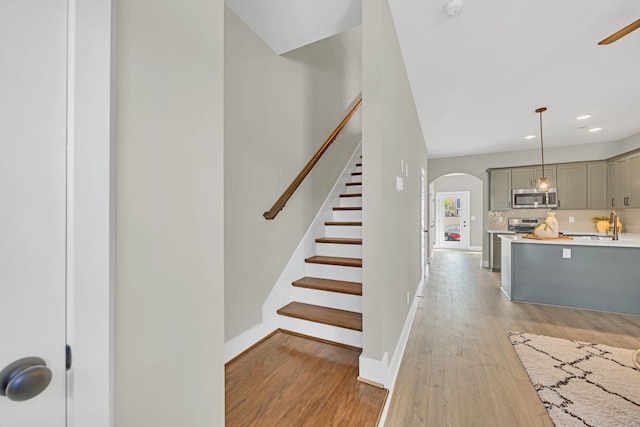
(533, 199)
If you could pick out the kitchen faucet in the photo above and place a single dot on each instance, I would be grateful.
(613, 219)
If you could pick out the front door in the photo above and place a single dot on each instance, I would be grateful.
(33, 109)
(453, 220)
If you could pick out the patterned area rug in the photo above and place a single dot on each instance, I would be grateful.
(581, 384)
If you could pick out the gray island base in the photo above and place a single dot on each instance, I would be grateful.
(601, 275)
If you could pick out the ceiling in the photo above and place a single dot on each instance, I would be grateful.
(477, 77)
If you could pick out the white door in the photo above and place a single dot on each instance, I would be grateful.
(453, 220)
(33, 93)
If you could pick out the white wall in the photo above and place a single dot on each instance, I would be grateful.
(278, 111)
(392, 137)
(169, 322)
(474, 186)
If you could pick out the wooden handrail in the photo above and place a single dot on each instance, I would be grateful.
(282, 201)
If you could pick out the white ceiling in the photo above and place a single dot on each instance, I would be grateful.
(285, 25)
(478, 76)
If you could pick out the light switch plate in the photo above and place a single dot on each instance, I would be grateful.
(399, 183)
(566, 253)
(572, 219)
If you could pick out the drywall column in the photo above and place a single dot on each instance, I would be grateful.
(169, 325)
(393, 147)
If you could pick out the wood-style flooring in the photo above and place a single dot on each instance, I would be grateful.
(289, 380)
(459, 368)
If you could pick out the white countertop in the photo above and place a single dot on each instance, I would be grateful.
(627, 240)
(500, 232)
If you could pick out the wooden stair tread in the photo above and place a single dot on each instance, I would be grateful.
(358, 164)
(339, 240)
(340, 286)
(328, 316)
(334, 260)
(347, 208)
(347, 223)
(354, 183)
(351, 195)
(356, 173)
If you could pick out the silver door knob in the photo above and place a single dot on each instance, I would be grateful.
(25, 378)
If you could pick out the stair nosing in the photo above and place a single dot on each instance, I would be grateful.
(344, 223)
(283, 312)
(347, 208)
(331, 260)
(351, 195)
(321, 284)
(339, 240)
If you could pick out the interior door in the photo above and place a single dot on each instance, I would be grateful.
(33, 94)
(453, 220)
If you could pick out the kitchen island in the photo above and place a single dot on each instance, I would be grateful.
(594, 273)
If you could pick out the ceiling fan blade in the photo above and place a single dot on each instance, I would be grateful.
(623, 32)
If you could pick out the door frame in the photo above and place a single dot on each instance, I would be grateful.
(464, 214)
(90, 211)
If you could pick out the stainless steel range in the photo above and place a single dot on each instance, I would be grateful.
(523, 225)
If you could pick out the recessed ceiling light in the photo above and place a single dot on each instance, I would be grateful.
(595, 129)
(584, 117)
(529, 137)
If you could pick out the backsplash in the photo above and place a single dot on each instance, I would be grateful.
(630, 218)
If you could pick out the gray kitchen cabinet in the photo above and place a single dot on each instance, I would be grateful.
(500, 189)
(623, 183)
(597, 185)
(522, 178)
(612, 185)
(634, 181)
(572, 186)
(549, 171)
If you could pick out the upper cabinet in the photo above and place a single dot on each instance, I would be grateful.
(634, 180)
(572, 186)
(610, 184)
(500, 189)
(528, 177)
(597, 185)
(623, 185)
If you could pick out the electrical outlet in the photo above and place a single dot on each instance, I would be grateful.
(566, 253)
(500, 219)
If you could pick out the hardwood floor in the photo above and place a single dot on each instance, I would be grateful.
(288, 380)
(459, 368)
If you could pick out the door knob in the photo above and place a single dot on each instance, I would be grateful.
(25, 378)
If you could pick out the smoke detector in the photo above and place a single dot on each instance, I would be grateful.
(453, 7)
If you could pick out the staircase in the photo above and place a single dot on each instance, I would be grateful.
(327, 301)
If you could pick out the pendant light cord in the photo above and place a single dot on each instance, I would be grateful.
(541, 110)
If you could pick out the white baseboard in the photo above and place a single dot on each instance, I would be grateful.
(475, 248)
(242, 342)
(373, 370)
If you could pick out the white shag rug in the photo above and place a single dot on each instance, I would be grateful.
(581, 384)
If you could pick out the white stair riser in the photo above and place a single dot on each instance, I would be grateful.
(319, 330)
(353, 189)
(356, 178)
(328, 299)
(350, 201)
(347, 216)
(335, 272)
(339, 250)
(358, 169)
(348, 231)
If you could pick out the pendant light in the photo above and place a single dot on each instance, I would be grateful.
(543, 183)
